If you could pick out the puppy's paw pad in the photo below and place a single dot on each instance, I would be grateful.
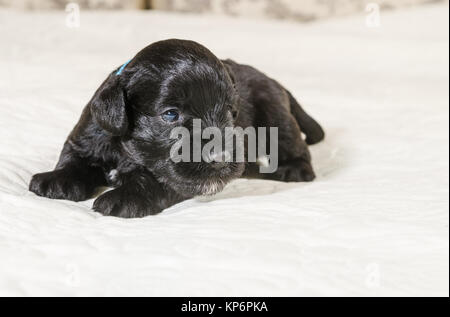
(58, 185)
(121, 203)
(306, 172)
(108, 204)
(302, 172)
(38, 184)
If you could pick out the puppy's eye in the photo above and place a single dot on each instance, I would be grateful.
(170, 116)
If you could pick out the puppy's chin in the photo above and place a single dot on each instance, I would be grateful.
(211, 188)
(197, 182)
(219, 179)
(189, 188)
(199, 188)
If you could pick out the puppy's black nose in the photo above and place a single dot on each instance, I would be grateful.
(218, 159)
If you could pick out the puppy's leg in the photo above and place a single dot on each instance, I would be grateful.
(73, 178)
(139, 195)
(294, 170)
(293, 154)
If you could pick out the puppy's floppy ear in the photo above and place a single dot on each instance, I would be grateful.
(108, 106)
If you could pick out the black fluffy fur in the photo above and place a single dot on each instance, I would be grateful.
(121, 130)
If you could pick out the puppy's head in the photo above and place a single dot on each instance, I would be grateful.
(170, 84)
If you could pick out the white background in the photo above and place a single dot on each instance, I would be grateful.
(375, 222)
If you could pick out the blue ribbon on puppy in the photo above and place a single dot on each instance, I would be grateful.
(122, 68)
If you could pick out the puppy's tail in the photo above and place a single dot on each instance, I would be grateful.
(309, 126)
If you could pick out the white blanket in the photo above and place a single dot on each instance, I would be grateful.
(375, 222)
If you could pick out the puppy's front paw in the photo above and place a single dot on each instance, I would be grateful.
(121, 202)
(60, 184)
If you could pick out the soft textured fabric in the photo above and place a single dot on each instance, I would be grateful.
(375, 222)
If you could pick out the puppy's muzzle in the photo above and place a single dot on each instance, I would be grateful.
(218, 160)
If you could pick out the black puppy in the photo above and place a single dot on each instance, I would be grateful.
(122, 139)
